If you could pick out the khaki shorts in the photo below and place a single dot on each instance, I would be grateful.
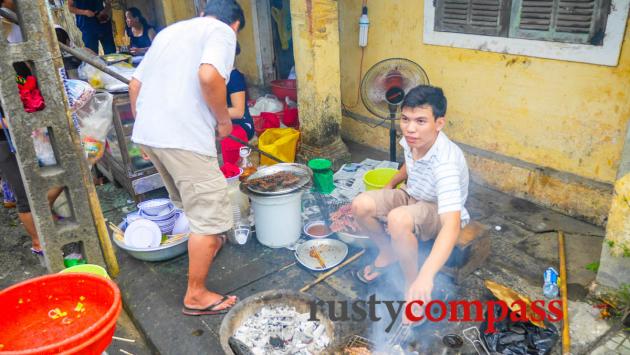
(195, 184)
(425, 214)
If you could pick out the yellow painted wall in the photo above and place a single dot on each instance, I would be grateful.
(563, 115)
(246, 61)
(177, 10)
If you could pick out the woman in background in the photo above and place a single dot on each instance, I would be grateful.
(237, 100)
(139, 32)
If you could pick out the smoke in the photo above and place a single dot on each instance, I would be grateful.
(386, 334)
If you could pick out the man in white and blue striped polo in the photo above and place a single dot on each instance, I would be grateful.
(431, 206)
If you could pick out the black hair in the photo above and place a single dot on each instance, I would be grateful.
(135, 12)
(62, 35)
(226, 11)
(423, 95)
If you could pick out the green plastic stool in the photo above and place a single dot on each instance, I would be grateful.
(322, 175)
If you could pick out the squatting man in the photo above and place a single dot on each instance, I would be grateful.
(430, 206)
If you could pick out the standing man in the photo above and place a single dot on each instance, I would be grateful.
(94, 21)
(178, 95)
(430, 207)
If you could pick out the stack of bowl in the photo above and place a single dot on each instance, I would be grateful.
(161, 211)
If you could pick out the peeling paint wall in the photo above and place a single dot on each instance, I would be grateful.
(618, 228)
(317, 50)
(568, 116)
(246, 61)
(177, 10)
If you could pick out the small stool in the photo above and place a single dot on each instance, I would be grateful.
(471, 251)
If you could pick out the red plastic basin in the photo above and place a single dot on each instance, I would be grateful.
(27, 327)
(284, 88)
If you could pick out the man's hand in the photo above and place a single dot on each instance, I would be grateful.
(224, 129)
(89, 13)
(419, 290)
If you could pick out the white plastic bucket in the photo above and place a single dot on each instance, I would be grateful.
(278, 219)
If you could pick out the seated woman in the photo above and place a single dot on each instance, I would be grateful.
(139, 32)
(237, 100)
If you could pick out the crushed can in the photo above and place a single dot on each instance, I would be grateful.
(550, 286)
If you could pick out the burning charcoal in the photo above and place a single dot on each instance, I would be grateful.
(280, 330)
(319, 331)
(238, 347)
(276, 342)
(303, 317)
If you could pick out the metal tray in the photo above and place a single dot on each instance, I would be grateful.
(332, 251)
(300, 170)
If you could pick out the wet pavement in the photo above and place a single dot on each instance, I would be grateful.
(523, 240)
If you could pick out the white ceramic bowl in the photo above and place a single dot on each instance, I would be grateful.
(316, 223)
(155, 207)
(181, 224)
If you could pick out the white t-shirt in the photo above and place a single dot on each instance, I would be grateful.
(170, 110)
(440, 176)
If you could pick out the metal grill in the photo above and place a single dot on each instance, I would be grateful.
(357, 341)
(328, 205)
(400, 335)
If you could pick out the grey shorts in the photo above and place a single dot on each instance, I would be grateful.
(425, 214)
(195, 184)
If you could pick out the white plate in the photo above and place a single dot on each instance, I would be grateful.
(332, 251)
(143, 233)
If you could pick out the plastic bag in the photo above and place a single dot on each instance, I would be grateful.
(95, 121)
(518, 338)
(124, 69)
(267, 103)
(100, 80)
(79, 93)
(43, 148)
(279, 142)
(91, 74)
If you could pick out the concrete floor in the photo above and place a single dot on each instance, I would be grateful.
(524, 244)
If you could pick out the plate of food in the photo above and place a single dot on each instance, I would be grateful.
(279, 179)
(321, 254)
(116, 58)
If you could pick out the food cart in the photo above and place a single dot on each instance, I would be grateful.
(122, 161)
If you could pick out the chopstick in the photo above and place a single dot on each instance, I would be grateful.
(124, 339)
(175, 238)
(332, 271)
(118, 233)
